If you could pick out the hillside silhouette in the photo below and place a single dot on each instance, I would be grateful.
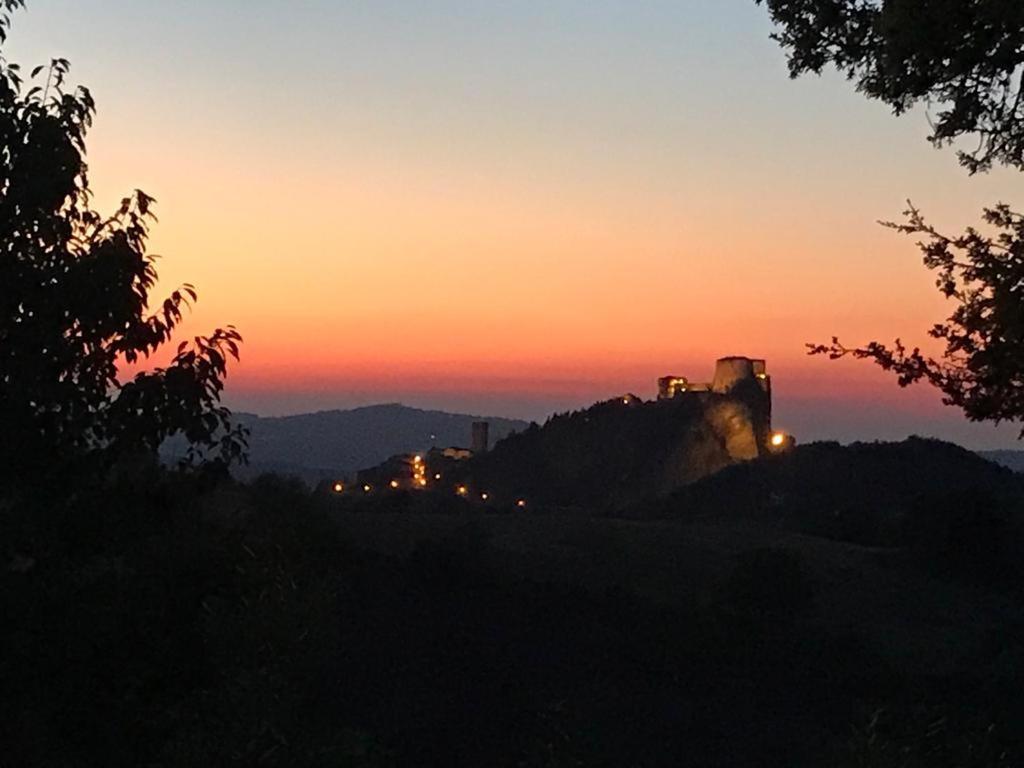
(869, 493)
(616, 452)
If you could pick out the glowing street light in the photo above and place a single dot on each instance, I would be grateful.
(484, 496)
(778, 439)
(521, 503)
(367, 489)
(462, 490)
(394, 483)
(338, 487)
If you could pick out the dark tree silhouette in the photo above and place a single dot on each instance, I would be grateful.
(965, 58)
(75, 301)
(981, 369)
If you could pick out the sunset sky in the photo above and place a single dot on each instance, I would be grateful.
(516, 207)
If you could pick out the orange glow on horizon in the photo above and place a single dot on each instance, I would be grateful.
(503, 288)
(474, 214)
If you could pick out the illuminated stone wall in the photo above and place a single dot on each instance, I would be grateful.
(745, 378)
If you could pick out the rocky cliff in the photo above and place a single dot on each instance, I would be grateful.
(619, 451)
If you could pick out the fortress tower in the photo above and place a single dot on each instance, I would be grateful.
(731, 371)
(745, 379)
(481, 437)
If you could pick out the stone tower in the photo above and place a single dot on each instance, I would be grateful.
(748, 379)
(481, 436)
(730, 371)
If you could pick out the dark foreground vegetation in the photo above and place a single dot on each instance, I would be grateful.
(181, 620)
(837, 606)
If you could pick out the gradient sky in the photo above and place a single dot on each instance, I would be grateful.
(516, 207)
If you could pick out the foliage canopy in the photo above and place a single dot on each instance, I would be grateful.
(965, 58)
(76, 300)
(981, 369)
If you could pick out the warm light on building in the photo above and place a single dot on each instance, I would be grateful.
(367, 489)
(484, 496)
(462, 490)
(394, 483)
(419, 472)
(338, 487)
(778, 439)
(521, 503)
(437, 476)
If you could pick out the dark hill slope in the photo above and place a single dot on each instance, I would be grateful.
(616, 452)
(870, 493)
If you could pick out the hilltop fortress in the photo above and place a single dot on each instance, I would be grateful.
(738, 381)
(730, 372)
(610, 455)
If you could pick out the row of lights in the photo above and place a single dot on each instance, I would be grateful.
(777, 440)
(461, 490)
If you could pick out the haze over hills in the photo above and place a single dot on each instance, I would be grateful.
(336, 443)
(1007, 458)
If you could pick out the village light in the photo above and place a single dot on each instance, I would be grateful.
(338, 487)
(483, 496)
(521, 503)
(367, 489)
(417, 459)
(437, 476)
(462, 490)
(778, 439)
(423, 482)
(394, 483)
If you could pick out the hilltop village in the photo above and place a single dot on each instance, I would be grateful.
(613, 453)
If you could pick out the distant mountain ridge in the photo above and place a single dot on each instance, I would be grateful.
(1007, 457)
(325, 444)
